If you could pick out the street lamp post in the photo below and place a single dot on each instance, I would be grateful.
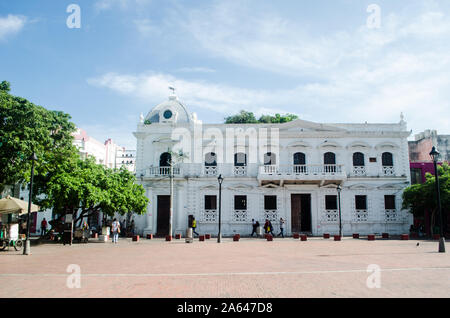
(434, 154)
(27, 248)
(339, 202)
(219, 236)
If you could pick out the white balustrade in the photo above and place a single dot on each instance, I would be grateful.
(240, 170)
(331, 216)
(240, 216)
(210, 170)
(209, 216)
(388, 171)
(360, 215)
(359, 171)
(391, 215)
(271, 215)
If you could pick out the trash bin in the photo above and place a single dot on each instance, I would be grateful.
(259, 231)
(189, 233)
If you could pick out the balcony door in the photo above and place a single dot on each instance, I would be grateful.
(301, 213)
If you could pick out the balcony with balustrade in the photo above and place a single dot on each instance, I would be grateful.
(315, 173)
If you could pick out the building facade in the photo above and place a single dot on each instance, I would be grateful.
(271, 171)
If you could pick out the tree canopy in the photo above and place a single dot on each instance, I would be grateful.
(26, 128)
(245, 117)
(81, 185)
(420, 197)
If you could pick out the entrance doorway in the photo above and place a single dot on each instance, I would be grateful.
(301, 212)
(163, 215)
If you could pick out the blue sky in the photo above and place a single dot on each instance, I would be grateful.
(318, 59)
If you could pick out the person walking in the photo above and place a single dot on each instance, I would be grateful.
(115, 226)
(43, 227)
(268, 227)
(132, 227)
(255, 225)
(281, 227)
(194, 225)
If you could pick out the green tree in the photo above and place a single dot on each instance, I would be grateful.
(245, 117)
(277, 119)
(26, 128)
(82, 187)
(421, 197)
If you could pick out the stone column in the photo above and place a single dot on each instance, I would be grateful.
(149, 216)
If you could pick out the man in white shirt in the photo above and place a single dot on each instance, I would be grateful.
(115, 227)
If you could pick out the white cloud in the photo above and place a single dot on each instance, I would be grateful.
(356, 75)
(195, 70)
(11, 25)
(102, 5)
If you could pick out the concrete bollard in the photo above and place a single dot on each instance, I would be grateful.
(207, 236)
(201, 238)
(269, 237)
(296, 235)
(337, 237)
(303, 237)
(326, 235)
(236, 238)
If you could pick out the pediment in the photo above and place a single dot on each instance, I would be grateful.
(392, 186)
(209, 187)
(359, 144)
(240, 187)
(329, 144)
(387, 145)
(361, 186)
(299, 144)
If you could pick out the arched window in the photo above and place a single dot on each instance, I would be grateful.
(270, 158)
(165, 159)
(240, 159)
(329, 158)
(299, 158)
(210, 159)
(358, 159)
(387, 159)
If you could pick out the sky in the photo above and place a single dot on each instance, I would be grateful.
(335, 61)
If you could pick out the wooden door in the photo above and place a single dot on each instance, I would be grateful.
(301, 213)
(296, 213)
(163, 216)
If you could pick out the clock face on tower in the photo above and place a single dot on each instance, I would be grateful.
(167, 114)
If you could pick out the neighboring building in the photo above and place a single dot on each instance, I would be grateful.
(419, 149)
(88, 146)
(126, 158)
(421, 164)
(294, 175)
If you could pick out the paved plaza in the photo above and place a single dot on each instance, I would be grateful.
(286, 268)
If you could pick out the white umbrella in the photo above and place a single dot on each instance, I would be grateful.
(13, 205)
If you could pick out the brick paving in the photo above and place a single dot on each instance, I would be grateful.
(287, 268)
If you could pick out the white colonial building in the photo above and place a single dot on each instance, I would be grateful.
(288, 170)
